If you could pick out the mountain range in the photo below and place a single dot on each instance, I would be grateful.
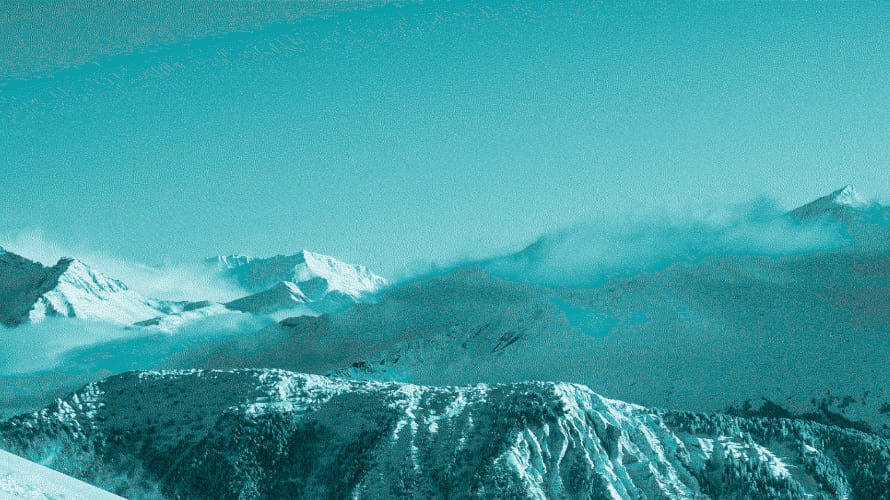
(276, 434)
(304, 283)
(768, 369)
(803, 334)
(285, 282)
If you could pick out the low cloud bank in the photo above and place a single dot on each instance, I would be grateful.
(46, 360)
(589, 254)
(65, 344)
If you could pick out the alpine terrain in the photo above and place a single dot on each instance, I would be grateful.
(803, 334)
(276, 434)
(721, 369)
(319, 282)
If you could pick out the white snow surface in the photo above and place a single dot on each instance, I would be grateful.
(30, 291)
(258, 274)
(84, 293)
(303, 284)
(20, 478)
(848, 196)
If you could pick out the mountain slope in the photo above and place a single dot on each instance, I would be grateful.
(30, 291)
(866, 223)
(281, 296)
(267, 433)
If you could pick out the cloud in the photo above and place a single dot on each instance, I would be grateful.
(40, 346)
(65, 343)
(183, 281)
(46, 360)
(591, 253)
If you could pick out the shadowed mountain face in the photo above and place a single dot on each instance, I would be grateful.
(274, 434)
(805, 332)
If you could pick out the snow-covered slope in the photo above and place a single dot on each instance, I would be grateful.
(257, 274)
(283, 282)
(270, 433)
(30, 292)
(23, 479)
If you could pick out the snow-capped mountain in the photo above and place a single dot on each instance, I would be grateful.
(304, 283)
(30, 291)
(866, 223)
(320, 282)
(839, 203)
(805, 332)
(270, 433)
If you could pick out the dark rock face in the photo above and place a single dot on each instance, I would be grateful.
(22, 282)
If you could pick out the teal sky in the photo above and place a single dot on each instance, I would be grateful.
(397, 134)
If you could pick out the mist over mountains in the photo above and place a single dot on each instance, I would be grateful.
(760, 334)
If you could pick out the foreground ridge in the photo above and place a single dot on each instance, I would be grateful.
(268, 433)
(20, 478)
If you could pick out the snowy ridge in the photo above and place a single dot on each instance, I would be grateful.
(257, 274)
(309, 282)
(841, 204)
(83, 293)
(302, 284)
(262, 433)
(284, 295)
(848, 196)
(31, 292)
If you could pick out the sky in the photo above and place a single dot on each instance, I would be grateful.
(394, 134)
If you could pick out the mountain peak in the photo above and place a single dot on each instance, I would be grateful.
(30, 291)
(841, 204)
(81, 275)
(258, 274)
(848, 196)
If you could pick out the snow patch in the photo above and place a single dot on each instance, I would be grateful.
(20, 478)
